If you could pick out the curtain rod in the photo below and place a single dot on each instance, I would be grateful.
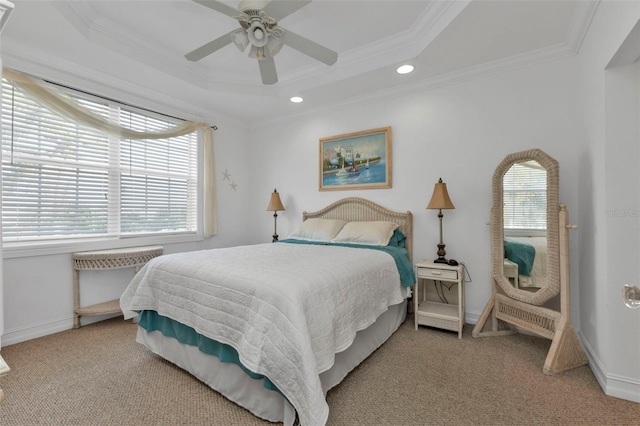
(214, 127)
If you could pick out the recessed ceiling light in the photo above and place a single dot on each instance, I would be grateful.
(404, 69)
(296, 99)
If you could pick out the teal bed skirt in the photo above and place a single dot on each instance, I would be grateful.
(153, 321)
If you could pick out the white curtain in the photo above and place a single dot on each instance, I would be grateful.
(209, 176)
(65, 106)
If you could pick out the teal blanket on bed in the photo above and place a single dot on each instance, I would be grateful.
(153, 321)
(521, 253)
(400, 256)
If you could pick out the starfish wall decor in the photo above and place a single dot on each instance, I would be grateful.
(227, 176)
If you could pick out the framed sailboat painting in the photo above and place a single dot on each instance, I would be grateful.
(359, 160)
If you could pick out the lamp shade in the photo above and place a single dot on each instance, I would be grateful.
(257, 53)
(275, 205)
(274, 44)
(440, 198)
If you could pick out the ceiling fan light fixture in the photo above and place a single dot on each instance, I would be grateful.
(274, 45)
(240, 39)
(261, 31)
(257, 53)
(257, 34)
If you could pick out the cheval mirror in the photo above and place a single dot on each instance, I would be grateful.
(530, 258)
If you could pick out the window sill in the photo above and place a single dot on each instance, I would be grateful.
(17, 250)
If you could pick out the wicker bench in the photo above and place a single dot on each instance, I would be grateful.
(132, 257)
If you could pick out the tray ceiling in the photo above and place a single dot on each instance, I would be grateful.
(138, 47)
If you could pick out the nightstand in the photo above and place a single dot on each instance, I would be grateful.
(437, 282)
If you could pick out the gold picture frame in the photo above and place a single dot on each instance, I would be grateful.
(359, 160)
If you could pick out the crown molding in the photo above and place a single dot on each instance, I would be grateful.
(408, 44)
(97, 29)
(118, 38)
(435, 82)
(582, 19)
(579, 27)
(400, 47)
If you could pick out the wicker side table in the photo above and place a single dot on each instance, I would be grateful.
(132, 257)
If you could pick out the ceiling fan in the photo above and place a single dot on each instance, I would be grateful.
(259, 28)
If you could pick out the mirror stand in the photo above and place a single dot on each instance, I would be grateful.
(503, 314)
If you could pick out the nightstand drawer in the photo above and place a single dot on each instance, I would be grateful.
(437, 274)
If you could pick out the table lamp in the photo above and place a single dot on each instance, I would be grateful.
(275, 205)
(440, 200)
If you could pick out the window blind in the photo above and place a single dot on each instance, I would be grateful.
(63, 180)
(525, 197)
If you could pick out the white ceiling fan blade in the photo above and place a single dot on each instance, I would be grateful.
(210, 47)
(279, 9)
(218, 7)
(268, 70)
(310, 48)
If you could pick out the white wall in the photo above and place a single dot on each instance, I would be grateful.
(622, 218)
(608, 184)
(460, 133)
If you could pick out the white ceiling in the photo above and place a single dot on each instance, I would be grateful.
(139, 46)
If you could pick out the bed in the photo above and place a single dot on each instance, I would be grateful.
(530, 255)
(274, 326)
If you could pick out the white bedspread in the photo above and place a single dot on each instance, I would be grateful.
(286, 308)
(538, 276)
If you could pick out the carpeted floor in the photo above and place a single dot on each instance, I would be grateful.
(98, 375)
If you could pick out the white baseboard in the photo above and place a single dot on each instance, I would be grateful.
(11, 337)
(471, 317)
(611, 384)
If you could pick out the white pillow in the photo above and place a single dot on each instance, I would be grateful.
(318, 230)
(374, 233)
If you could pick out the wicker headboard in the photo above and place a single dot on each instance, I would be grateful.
(359, 209)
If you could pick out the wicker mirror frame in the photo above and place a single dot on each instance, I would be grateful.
(510, 309)
(552, 286)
